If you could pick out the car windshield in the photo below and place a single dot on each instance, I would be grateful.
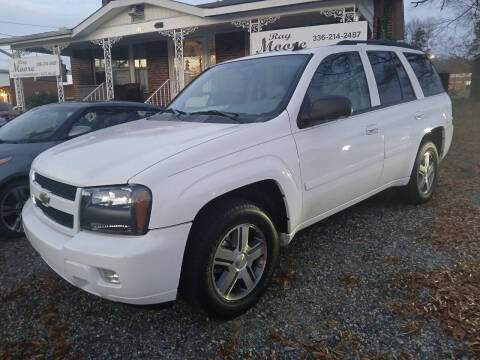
(36, 125)
(5, 106)
(249, 90)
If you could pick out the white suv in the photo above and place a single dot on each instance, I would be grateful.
(198, 199)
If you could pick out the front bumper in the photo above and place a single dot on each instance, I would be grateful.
(148, 266)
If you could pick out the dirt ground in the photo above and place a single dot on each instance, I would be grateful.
(382, 280)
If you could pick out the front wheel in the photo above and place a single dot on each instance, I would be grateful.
(424, 175)
(12, 198)
(230, 257)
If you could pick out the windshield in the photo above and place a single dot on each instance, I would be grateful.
(5, 106)
(253, 89)
(36, 125)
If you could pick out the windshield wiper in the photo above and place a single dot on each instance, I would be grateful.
(230, 115)
(173, 111)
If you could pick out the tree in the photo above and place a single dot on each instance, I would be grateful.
(464, 11)
(420, 33)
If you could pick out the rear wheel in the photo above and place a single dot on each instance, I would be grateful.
(230, 258)
(424, 175)
(12, 198)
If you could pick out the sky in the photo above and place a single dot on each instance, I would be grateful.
(49, 15)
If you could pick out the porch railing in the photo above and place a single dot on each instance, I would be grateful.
(162, 96)
(98, 94)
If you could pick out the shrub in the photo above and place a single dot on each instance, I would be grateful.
(41, 98)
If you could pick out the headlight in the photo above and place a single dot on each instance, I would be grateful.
(118, 209)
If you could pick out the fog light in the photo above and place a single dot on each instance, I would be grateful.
(109, 276)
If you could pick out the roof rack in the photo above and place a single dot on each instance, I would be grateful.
(378, 42)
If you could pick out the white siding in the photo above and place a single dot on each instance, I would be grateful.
(158, 13)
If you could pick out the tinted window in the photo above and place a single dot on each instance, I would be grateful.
(393, 83)
(36, 125)
(340, 75)
(105, 117)
(94, 118)
(123, 115)
(426, 74)
(253, 88)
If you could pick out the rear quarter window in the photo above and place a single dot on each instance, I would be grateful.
(426, 74)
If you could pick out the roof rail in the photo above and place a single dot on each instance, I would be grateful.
(378, 42)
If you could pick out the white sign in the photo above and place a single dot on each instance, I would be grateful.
(307, 37)
(35, 66)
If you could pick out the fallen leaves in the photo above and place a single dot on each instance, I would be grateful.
(317, 350)
(283, 276)
(454, 303)
(454, 299)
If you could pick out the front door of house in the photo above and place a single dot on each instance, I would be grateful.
(198, 55)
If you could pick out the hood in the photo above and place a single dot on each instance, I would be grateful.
(22, 150)
(114, 155)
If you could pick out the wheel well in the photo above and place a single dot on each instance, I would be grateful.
(437, 136)
(266, 194)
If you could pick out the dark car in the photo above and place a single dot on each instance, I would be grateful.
(4, 112)
(39, 129)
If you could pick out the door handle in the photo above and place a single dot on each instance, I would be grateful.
(419, 116)
(372, 130)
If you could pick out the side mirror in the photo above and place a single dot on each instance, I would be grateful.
(326, 108)
(79, 130)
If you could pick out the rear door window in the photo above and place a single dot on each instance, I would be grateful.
(393, 83)
(427, 75)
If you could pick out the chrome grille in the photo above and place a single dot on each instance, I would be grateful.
(55, 187)
(56, 202)
(58, 216)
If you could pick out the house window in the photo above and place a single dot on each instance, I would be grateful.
(120, 69)
(137, 13)
(140, 63)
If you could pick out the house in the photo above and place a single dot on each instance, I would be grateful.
(153, 48)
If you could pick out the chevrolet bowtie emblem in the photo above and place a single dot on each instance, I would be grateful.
(44, 198)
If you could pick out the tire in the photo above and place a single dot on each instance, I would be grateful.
(12, 198)
(217, 276)
(424, 175)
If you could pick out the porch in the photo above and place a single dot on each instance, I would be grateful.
(154, 67)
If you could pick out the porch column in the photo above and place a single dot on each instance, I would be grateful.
(107, 45)
(57, 50)
(178, 36)
(19, 94)
(255, 25)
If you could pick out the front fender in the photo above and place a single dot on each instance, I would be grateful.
(179, 197)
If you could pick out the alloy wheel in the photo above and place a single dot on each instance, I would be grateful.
(239, 262)
(426, 173)
(11, 207)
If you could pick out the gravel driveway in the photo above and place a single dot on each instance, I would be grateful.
(332, 297)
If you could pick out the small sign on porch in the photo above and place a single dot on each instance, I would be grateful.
(35, 66)
(307, 37)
